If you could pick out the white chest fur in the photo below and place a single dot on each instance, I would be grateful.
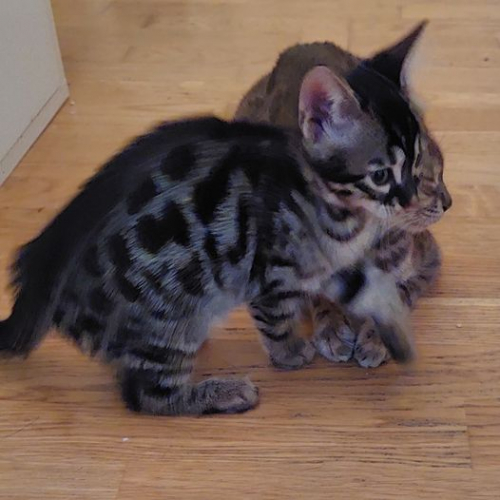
(346, 254)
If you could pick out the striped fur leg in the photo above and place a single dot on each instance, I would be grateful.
(277, 323)
(426, 264)
(156, 380)
(334, 333)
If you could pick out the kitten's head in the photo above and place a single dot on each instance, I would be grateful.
(369, 145)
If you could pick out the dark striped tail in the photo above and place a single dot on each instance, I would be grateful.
(26, 326)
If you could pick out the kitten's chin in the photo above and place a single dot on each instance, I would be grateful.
(416, 229)
(422, 222)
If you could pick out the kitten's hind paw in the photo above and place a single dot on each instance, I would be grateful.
(369, 351)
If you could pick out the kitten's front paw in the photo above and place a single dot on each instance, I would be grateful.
(226, 395)
(369, 351)
(292, 354)
(335, 341)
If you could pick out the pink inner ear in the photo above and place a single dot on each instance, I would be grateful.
(316, 87)
(320, 106)
(315, 109)
(315, 101)
(325, 101)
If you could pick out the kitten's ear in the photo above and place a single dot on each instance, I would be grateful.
(326, 105)
(390, 62)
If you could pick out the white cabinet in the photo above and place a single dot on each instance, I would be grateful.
(32, 82)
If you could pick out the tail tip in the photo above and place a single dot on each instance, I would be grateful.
(403, 356)
(399, 345)
(9, 349)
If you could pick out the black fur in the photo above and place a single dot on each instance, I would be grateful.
(119, 253)
(179, 162)
(191, 276)
(237, 252)
(385, 100)
(352, 281)
(99, 302)
(210, 248)
(129, 291)
(91, 262)
(214, 189)
(141, 196)
(153, 234)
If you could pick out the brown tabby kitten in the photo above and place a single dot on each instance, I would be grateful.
(199, 216)
(408, 252)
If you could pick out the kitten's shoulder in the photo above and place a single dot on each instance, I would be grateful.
(142, 154)
(214, 129)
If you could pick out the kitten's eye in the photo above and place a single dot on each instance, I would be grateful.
(381, 177)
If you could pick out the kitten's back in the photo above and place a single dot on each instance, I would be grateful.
(274, 97)
(41, 262)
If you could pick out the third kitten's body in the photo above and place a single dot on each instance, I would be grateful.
(412, 259)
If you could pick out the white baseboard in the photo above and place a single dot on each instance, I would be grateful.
(33, 131)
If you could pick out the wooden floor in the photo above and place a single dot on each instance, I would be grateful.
(329, 431)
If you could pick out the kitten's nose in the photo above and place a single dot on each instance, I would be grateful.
(446, 199)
